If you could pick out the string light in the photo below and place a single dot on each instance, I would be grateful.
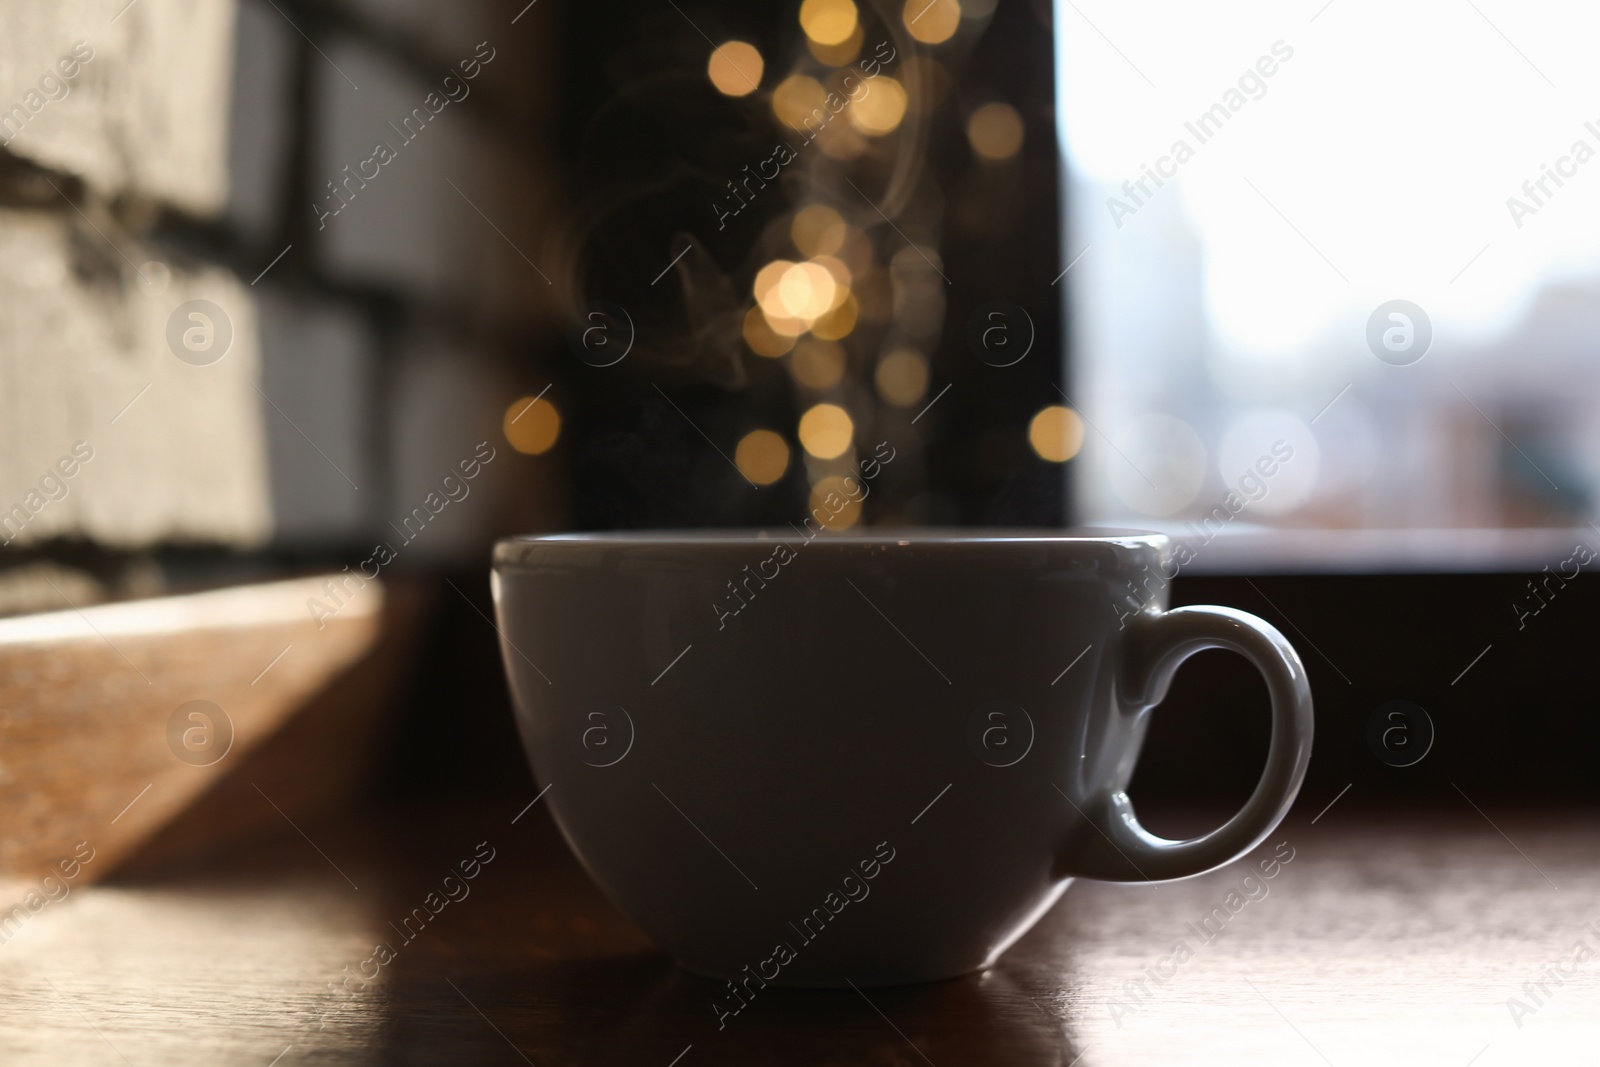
(838, 55)
(817, 364)
(762, 456)
(798, 98)
(881, 110)
(902, 377)
(762, 338)
(1056, 433)
(833, 502)
(995, 132)
(735, 68)
(826, 431)
(932, 21)
(828, 22)
(532, 425)
(818, 230)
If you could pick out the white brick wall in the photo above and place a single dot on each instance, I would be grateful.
(272, 440)
(147, 114)
(77, 345)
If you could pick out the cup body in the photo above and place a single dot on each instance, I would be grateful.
(859, 759)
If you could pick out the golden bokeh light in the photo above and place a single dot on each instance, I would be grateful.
(881, 110)
(795, 297)
(836, 503)
(818, 230)
(762, 338)
(797, 98)
(902, 377)
(932, 21)
(735, 68)
(532, 425)
(837, 324)
(995, 132)
(817, 364)
(829, 22)
(762, 456)
(765, 287)
(838, 55)
(806, 291)
(784, 326)
(826, 431)
(1056, 433)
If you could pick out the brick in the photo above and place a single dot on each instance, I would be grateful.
(148, 114)
(317, 367)
(259, 118)
(177, 448)
(450, 216)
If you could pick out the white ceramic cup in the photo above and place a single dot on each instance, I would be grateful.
(871, 759)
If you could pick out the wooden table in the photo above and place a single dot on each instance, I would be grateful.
(1386, 938)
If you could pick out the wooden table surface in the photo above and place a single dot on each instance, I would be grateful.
(1384, 939)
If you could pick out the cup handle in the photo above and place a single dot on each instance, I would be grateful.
(1120, 850)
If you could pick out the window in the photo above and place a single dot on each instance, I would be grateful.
(1335, 282)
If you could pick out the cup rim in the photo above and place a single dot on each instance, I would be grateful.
(510, 551)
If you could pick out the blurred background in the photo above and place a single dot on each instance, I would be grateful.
(1303, 175)
(311, 302)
